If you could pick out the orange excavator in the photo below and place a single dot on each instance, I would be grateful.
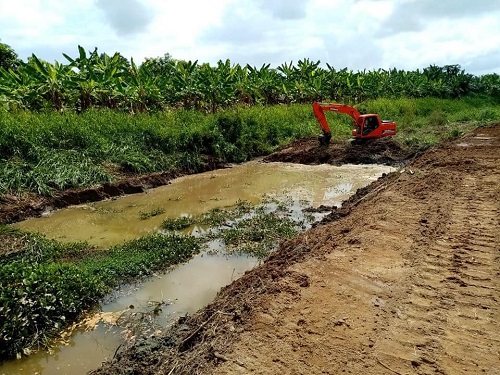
(365, 126)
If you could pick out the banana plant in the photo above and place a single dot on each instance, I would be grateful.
(217, 85)
(50, 80)
(265, 84)
(99, 78)
(16, 89)
(140, 90)
(185, 88)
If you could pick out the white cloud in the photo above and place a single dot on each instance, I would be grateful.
(126, 16)
(357, 34)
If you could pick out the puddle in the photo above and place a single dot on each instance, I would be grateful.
(161, 299)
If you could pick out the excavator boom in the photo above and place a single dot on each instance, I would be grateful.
(365, 126)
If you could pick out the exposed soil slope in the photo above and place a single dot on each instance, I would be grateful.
(405, 280)
(309, 151)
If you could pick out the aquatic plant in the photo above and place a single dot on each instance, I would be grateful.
(149, 214)
(44, 284)
(177, 223)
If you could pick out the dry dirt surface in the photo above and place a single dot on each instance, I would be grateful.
(404, 279)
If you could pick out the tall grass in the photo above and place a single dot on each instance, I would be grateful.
(47, 152)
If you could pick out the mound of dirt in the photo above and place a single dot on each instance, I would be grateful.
(370, 151)
(403, 280)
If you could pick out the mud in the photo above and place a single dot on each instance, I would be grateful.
(404, 279)
(306, 151)
(378, 151)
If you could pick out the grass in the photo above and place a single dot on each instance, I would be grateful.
(48, 152)
(45, 284)
(422, 123)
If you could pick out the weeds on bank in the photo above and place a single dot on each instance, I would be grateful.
(149, 214)
(45, 284)
(48, 152)
(422, 123)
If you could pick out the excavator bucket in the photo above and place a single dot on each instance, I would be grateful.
(324, 139)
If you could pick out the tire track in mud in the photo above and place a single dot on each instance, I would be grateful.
(453, 304)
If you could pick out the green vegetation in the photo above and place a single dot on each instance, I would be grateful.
(93, 80)
(218, 216)
(427, 121)
(257, 234)
(45, 284)
(243, 228)
(177, 223)
(150, 214)
(8, 57)
(95, 117)
(50, 151)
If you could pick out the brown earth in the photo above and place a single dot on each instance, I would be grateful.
(404, 279)
(370, 151)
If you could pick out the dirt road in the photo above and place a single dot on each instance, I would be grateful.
(405, 280)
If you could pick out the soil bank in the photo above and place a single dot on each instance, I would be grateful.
(404, 279)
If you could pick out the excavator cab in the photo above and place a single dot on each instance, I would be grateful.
(370, 124)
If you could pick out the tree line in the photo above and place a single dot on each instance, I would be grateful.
(98, 80)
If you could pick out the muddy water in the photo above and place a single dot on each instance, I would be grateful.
(185, 289)
(190, 286)
(115, 221)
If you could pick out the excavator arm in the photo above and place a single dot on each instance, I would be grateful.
(319, 112)
(320, 108)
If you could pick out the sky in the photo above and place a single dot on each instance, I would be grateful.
(353, 34)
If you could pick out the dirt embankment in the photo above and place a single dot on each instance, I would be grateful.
(370, 151)
(406, 280)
